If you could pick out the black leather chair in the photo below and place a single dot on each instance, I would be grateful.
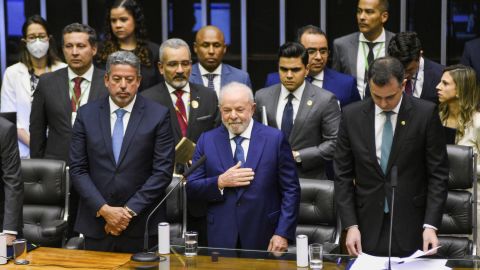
(45, 204)
(458, 232)
(317, 216)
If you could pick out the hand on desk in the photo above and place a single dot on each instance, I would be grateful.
(278, 243)
(353, 241)
(430, 239)
(117, 218)
(236, 177)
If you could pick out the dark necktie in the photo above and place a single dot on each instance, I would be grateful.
(309, 79)
(239, 154)
(117, 135)
(77, 91)
(287, 118)
(370, 58)
(409, 88)
(181, 112)
(387, 140)
(210, 77)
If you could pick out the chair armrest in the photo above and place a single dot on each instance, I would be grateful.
(54, 228)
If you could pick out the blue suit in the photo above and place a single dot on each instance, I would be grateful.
(343, 86)
(229, 74)
(471, 57)
(143, 172)
(253, 214)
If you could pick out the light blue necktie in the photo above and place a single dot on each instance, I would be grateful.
(239, 155)
(117, 136)
(387, 140)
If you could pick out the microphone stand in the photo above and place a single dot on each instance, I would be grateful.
(393, 179)
(145, 255)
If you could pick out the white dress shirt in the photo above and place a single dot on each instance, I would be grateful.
(216, 80)
(362, 54)
(283, 99)
(185, 97)
(318, 79)
(418, 81)
(246, 134)
(126, 116)
(84, 87)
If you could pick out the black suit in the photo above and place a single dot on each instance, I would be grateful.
(51, 109)
(432, 73)
(52, 112)
(11, 195)
(418, 151)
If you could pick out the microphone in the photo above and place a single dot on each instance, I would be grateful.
(393, 183)
(145, 255)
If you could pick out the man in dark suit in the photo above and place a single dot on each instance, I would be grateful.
(315, 42)
(353, 53)
(11, 195)
(121, 161)
(471, 57)
(308, 115)
(210, 48)
(196, 111)
(422, 74)
(58, 96)
(390, 130)
(248, 179)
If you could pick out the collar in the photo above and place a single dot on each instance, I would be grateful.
(87, 75)
(247, 133)
(297, 93)
(114, 107)
(320, 76)
(378, 110)
(170, 88)
(203, 71)
(380, 38)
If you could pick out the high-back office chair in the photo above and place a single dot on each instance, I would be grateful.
(45, 205)
(458, 232)
(317, 216)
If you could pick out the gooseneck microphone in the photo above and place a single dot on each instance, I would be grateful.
(145, 255)
(393, 182)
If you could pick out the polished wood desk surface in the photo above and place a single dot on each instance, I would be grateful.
(56, 259)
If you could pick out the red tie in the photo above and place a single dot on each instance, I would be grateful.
(181, 112)
(78, 92)
(408, 88)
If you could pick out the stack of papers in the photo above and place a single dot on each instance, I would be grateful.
(413, 262)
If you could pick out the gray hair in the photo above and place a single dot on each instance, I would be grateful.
(123, 58)
(81, 28)
(174, 43)
(236, 87)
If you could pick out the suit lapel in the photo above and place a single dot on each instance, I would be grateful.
(225, 77)
(354, 43)
(255, 150)
(368, 133)
(271, 106)
(96, 86)
(163, 94)
(401, 128)
(193, 110)
(196, 77)
(224, 150)
(306, 105)
(64, 87)
(105, 128)
(135, 119)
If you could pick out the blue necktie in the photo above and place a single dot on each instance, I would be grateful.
(117, 136)
(239, 155)
(387, 140)
(287, 118)
(210, 77)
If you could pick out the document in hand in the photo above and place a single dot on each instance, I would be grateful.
(413, 262)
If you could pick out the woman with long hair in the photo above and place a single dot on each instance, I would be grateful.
(125, 30)
(459, 98)
(37, 56)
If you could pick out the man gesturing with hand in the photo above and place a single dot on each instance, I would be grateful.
(249, 179)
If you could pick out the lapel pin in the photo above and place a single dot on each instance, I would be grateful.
(195, 104)
(309, 103)
(402, 123)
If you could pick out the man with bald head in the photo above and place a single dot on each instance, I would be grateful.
(249, 178)
(210, 48)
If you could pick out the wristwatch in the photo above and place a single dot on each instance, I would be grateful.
(130, 211)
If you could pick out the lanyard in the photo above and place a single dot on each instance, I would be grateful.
(71, 84)
(365, 54)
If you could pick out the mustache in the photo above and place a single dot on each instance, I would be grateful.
(180, 77)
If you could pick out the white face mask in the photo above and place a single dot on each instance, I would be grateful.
(38, 48)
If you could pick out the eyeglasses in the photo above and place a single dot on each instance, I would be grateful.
(313, 51)
(41, 37)
(174, 64)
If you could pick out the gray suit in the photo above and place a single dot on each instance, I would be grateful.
(345, 52)
(314, 132)
(11, 195)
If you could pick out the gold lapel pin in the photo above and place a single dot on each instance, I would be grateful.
(309, 103)
(403, 123)
(195, 104)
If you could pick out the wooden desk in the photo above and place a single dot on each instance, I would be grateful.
(55, 259)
